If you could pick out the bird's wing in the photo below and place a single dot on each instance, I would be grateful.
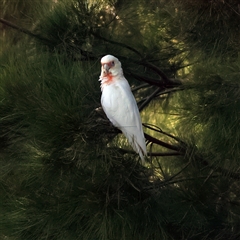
(120, 107)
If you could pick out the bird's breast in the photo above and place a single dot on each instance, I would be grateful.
(106, 80)
(111, 97)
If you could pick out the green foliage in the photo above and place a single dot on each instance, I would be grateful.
(210, 27)
(63, 174)
(214, 110)
(23, 13)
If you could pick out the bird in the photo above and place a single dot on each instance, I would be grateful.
(120, 105)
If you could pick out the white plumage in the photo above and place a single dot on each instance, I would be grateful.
(120, 105)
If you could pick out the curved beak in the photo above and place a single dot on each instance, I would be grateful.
(106, 67)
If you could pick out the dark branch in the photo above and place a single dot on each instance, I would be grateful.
(224, 172)
(149, 99)
(180, 151)
(157, 129)
(186, 179)
(3, 21)
(144, 85)
(166, 91)
(87, 55)
(149, 80)
(149, 65)
(163, 154)
(161, 184)
(179, 172)
(151, 154)
(156, 69)
(163, 144)
(116, 43)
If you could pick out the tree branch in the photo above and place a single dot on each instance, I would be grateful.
(149, 65)
(149, 80)
(161, 184)
(166, 91)
(144, 85)
(151, 154)
(117, 43)
(3, 21)
(157, 129)
(156, 69)
(179, 172)
(86, 54)
(163, 144)
(149, 99)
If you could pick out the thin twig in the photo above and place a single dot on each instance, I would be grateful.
(224, 172)
(167, 182)
(186, 179)
(116, 43)
(157, 129)
(149, 99)
(144, 85)
(166, 91)
(175, 175)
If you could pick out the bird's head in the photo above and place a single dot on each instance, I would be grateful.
(111, 66)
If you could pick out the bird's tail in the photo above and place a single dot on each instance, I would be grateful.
(138, 144)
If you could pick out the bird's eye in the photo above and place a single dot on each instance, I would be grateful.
(113, 63)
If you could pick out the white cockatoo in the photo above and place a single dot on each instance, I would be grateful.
(120, 105)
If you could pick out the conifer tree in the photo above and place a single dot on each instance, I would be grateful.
(67, 173)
